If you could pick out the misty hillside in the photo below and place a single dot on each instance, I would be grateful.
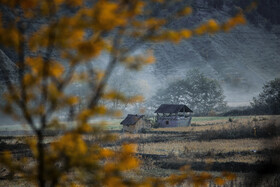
(241, 60)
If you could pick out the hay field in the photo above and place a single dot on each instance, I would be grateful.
(241, 145)
(214, 144)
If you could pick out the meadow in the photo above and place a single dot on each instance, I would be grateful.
(114, 124)
(242, 145)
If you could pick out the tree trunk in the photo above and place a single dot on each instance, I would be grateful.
(40, 159)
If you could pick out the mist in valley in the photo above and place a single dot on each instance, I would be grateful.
(241, 61)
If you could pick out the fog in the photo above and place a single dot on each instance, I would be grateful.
(241, 60)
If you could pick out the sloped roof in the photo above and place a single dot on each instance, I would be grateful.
(131, 119)
(172, 108)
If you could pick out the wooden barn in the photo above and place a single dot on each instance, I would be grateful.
(173, 115)
(135, 123)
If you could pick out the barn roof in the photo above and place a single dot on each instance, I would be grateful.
(172, 108)
(131, 119)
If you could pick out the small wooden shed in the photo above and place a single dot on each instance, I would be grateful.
(173, 115)
(135, 123)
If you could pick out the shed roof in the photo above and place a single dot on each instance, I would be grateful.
(131, 119)
(172, 108)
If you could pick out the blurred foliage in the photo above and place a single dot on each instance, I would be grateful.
(66, 35)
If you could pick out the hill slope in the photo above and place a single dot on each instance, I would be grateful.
(242, 60)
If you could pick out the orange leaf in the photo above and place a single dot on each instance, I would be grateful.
(219, 181)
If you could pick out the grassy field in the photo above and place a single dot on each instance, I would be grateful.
(214, 144)
(114, 124)
(241, 145)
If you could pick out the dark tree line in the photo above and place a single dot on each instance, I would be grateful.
(266, 103)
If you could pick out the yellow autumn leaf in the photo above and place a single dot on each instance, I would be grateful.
(229, 176)
(105, 152)
(186, 11)
(74, 3)
(107, 16)
(38, 39)
(109, 167)
(202, 29)
(205, 176)
(219, 181)
(6, 155)
(72, 100)
(99, 110)
(129, 163)
(128, 148)
(84, 114)
(88, 49)
(56, 69)
(84, 128)
(28, 4)
(112, 95)
(232, 22)
(72, 145)
(113, 182)
(172, 36)
(79, 77)
(136, 99)
(186, 33)
(154, 23)
(36, 64)
(55, 94)
(150, 58)
(213, 26)
(136, 9)
(99, 75)
(28, 80)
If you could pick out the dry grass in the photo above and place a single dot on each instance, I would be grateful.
(223, 123)
(185, 145)
(239, 150)
(205, 146)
